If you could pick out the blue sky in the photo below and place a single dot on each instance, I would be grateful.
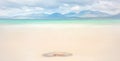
(26, 8)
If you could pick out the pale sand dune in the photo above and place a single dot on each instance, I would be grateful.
(85, 42)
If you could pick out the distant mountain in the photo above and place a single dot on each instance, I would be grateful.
(55, 16)
(71, 14)
(116, 16)
(87, 13)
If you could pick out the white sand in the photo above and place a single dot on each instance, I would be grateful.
(86, 42)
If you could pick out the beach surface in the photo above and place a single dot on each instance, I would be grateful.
(86, 42)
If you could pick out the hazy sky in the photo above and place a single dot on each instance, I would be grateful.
(13, 8)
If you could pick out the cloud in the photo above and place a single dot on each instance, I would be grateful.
(111, 7)
(66, 8)
(23, 11)
(13, 8)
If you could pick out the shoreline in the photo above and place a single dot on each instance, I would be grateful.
(58, 24)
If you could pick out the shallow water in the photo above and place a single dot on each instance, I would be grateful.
(57, 21)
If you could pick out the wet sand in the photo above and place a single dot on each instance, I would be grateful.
(86, 42)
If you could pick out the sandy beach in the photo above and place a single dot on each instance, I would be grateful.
(86, 42)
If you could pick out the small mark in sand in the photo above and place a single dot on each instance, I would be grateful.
(57, 54)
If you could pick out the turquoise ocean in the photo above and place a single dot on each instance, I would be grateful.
(58, 21)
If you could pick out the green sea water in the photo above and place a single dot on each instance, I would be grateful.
(58, 21)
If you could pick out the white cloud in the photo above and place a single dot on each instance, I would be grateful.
(24, 11)
(11, 8)
(76, 8)
(106, 6)
(67, 8)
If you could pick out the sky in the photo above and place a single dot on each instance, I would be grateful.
(41, 8)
